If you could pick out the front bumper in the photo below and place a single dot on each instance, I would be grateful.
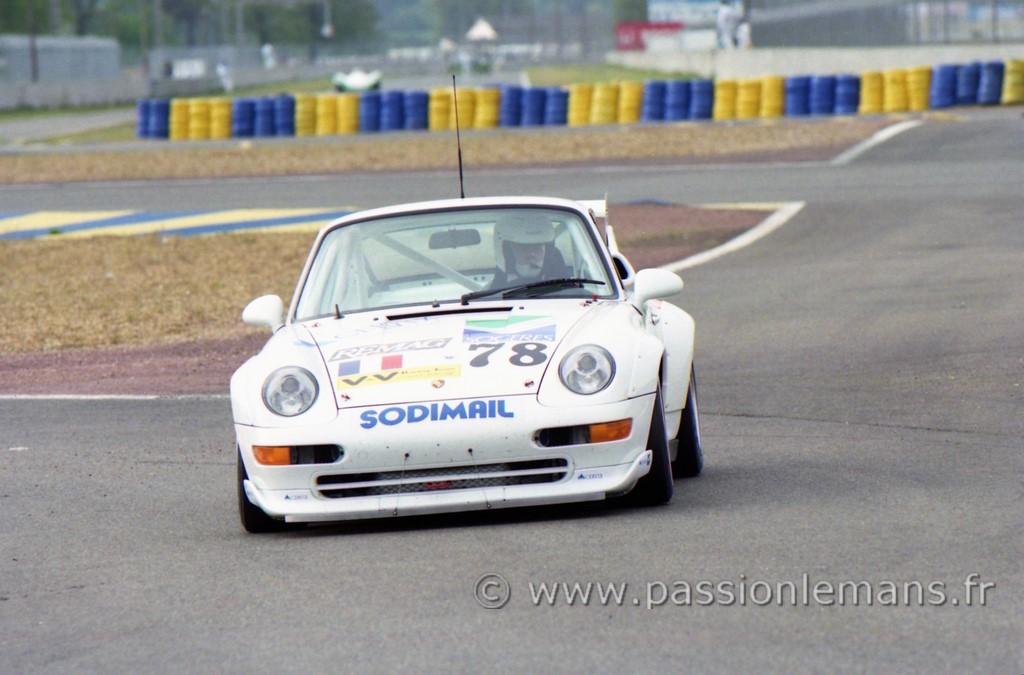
(466, 462)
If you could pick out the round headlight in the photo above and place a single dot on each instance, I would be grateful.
(587, 369)
(290, 391)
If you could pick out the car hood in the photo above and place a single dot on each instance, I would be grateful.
(374, 360)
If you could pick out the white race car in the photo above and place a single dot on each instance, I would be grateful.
(465, 354)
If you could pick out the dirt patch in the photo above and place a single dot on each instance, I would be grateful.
(161, 315)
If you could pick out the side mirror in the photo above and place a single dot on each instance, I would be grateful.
(266, 310)
(655, 283)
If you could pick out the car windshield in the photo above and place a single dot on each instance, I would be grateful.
(440, 257)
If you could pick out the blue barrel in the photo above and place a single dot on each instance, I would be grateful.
(369, 111)
(284, 115)
(392, 110)
(510, 109)
(990, 84)
(417, 109)
(263, 117)
(847, 94)
(822, 95)
(556, 106)
(243, 118)
(967, 77)
(142, 114)
(702, 99)
(942, 90)
(652, 103)
(534, 100)
(677, 100)
(160, 118)
(798, 96)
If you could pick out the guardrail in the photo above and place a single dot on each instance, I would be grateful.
(870, 92)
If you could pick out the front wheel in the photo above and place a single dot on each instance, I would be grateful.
(657, 486)
(689, 453)
(253, 518)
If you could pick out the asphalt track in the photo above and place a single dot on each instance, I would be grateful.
(861, 380)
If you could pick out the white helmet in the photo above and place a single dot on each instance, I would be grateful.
(520, 227)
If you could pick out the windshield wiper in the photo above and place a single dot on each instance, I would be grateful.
(543, 287)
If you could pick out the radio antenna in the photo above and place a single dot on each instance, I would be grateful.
(458, 138)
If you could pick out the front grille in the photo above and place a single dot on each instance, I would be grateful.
(459, 477)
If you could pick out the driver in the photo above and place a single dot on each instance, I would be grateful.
(525, 250)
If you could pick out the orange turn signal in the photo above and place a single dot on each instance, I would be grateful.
(610, 431)
(272, 455)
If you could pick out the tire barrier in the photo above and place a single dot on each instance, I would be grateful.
(990, 83)
(847, 94)
(556, 107)
(748, 99)
(773, 96)
(417, 108)
(631, 96)
(724, 104)
(392, 110)
(652, 105)
(533, 101)
(798, 96)
(488, 108)
(677, 100)
(822, 95)
(284, 115)
(604, 106)
(871, 85)
(871, 92)
(942, 92)
(702, 99)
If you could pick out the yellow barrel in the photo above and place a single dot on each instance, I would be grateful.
(488, 105)
(748, 99)
(305, 114)
(220, 118)
(724, 107)
(871, 88)
(1013, 82)
(894, 91)
(466, 113)
(439, 108)
(326, 114)
(178, 123)
(580, 98)
(919, 82)
(199, 119)
(631, 95)
(604, 104)
(347, 111)
(773, 96)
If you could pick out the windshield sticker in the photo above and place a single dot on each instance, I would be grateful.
(435, 412)
(346, 353)
(355, 380)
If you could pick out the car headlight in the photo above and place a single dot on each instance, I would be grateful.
(290, 391)
(587, 369)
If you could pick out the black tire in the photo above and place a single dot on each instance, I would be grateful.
(657, 486)
(253, 518)
(689, 453)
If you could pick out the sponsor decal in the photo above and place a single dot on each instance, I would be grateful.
(354, 367)
(354, 380)
(509, 330)
(347, 353)
(435, 412)
(296, 497)
(591, 475)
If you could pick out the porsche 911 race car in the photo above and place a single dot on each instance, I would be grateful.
(465, 354)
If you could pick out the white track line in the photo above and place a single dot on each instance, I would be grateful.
(767, 226)
(877, 139)
(113, 397)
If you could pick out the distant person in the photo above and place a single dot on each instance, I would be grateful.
(743, 38)
(224, 75)
(268, 56)
(727, 21)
